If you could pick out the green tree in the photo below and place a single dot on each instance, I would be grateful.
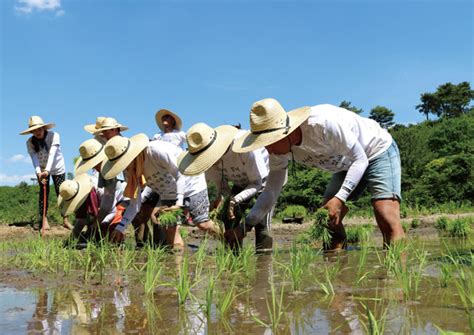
(383, 116)
(347, 105)
(449, 100)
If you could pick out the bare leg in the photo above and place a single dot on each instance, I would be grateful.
(66, 223)
(173, 237)
(387, 215)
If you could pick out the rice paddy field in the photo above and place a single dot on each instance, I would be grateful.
(422, 286)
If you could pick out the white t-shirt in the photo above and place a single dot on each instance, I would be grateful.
(177, 137)
(163, 176)
(333, 139)
(47, 159)
(246, 170)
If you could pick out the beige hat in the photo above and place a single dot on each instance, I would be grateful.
(91, 128)
(205, 147)
(92, 153)
(108, 123)
(162, 112)
(120, 152)
(73, 193)
(269, 123)
(35, 122)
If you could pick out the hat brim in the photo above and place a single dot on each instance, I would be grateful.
(162, 112)
(111, 169)
(29, 130)
(191, 165)
(99, 131)
(70, 206)
(90, 128)
(83, 166)
(249, 141)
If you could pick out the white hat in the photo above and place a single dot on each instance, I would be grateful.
(73, 193)
(35, 122)
(120, 152)
(92, 153)
(269, 123)
(91, 128)
(205, 147)
(162, 112)
(108, 123)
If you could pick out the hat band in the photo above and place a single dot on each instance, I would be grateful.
(89, 158)
(75, 193)
(214, 136)
(123, 153)
(37, 124)
(286, 127)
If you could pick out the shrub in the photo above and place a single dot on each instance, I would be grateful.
(442, 223)
(294, 211)
(459, 227)
(415, 223)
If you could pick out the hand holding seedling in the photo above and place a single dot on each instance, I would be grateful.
(230, 210)
(234, 237)
(117, 236)
(334, 207)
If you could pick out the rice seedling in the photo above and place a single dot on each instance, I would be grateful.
(299, 262)
(152, 277)
(183, 282)
(226, 299)
(275, 308)
(319, 229)
(360, 233)
(373, 325)
(445, 275)
(361, 274)
(415, 223)
(200, 256)
(447, 332)
(211, 284)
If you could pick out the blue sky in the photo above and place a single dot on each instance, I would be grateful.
(70, 61)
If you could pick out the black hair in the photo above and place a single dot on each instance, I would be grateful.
(40, 143)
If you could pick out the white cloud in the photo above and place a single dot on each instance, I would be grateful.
(12, 180)
(29, 6)
(19, 158)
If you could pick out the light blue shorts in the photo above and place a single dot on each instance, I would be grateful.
(382, 178)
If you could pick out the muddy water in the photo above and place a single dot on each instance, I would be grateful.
(119, 305)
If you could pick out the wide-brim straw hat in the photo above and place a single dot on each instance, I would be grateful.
(92, 128)
(205, 147)
(108, 123)
(120, 152)
(269, 123)
(73, 193)
(91, 153)
(35, 122)
(162, 112)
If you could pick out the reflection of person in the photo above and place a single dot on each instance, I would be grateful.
(170, 125)
(357, 150)
(42, 321)
(156, 163)
(209, 151)
(45, 152)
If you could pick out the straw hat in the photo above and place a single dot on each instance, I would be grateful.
(35, 122)
(205, 147)
(121, 151)
(269, 123)
(162, 112)
(92, 153)
(108, 123)
(73, 193)
(91, 128)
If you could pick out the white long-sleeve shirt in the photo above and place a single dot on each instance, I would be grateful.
(246, 170)
(177, 137)
(333, 139)
(44, 160)
(162, 174)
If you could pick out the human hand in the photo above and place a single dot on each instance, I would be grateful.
(230, 210)
(117, 236)
(335, 207)
(215, 204)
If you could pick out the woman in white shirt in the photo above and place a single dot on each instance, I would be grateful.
(209, 152)
(170, 125)
(155, 163)
(45, 152)
(357, 150)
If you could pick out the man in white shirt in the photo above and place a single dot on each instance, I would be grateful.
(209, 151)
(155, 163)
(357, 150)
